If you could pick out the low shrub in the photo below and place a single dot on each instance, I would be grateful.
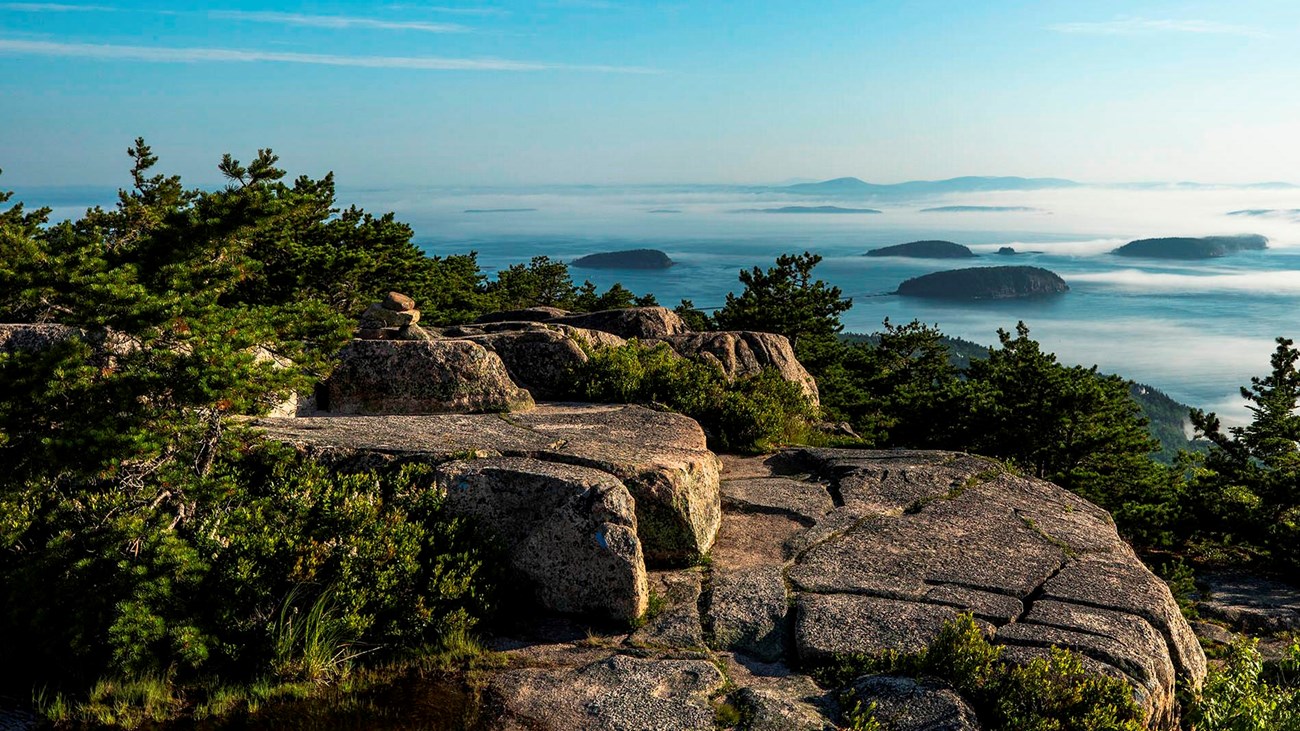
(750, 414)
(1053, 693)
(283, 572)
(1239, 694)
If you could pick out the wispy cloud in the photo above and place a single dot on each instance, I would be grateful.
(1128, 26)
(54, 8)
(337, 21)
(481, 11)
(155, 54)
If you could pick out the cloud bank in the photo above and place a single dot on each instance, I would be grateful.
(1276, 282)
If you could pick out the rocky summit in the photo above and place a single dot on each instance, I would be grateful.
(661, 583)
(813, 555)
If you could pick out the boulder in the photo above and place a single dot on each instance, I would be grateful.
(946, 533)
(584, 336)
(568, 531)
(644, 323)
(32, 337)
(766, 709)
(379, 315)
(805, 501)
(420, 377)
(828, 626)
(677, 622)
(618, 693)
(398, 302)
(904, 704)
(660, 457)
(539, 357)
(746, 354)
(528, 314)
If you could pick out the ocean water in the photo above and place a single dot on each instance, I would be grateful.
(1197, 330)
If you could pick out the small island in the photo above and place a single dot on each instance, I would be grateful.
(982, 209)
(809, 209)
(925, 250)
(1207, 247)
(1007, 251)
(985, 283)
(632, 259)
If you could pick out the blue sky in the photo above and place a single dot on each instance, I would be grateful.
(617, 91)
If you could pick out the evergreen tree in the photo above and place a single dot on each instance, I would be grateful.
(897, 390)
(1070, 425)
(1249, 490)
(787, 300)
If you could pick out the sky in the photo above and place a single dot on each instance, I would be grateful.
(620, 91)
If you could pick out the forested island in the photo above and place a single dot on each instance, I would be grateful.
(925, 250)
(986, 283)
(811, 209)
(982, 209)
(1207, 247)
(630, 259)
(249, 481)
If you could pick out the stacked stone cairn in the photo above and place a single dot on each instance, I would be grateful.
(394, 318)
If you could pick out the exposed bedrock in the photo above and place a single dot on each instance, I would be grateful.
(660, 458)
(746, 354)
(921, 536)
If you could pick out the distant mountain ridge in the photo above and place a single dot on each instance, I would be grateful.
(967, 184)
(849, 187)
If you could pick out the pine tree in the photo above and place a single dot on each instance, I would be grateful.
(786, 300)
(1249, 490)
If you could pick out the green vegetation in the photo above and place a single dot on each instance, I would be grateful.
(547, 283)
(1245, 494)
(750, 414)
(1053, 693)
(148, 542)
(786, 300)
(1240, 696)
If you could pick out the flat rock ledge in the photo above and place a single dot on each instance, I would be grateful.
(918, 537)
(825, 553)
(581, 496)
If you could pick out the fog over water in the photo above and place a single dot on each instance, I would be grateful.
(1196, 329)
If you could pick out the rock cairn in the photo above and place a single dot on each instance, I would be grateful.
(394, 318)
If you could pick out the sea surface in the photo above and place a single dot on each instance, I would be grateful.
(1196, 329)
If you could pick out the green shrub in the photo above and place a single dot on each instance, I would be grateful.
(749, 414)
(1055, 693)
(1238, 696)
(283, 569)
